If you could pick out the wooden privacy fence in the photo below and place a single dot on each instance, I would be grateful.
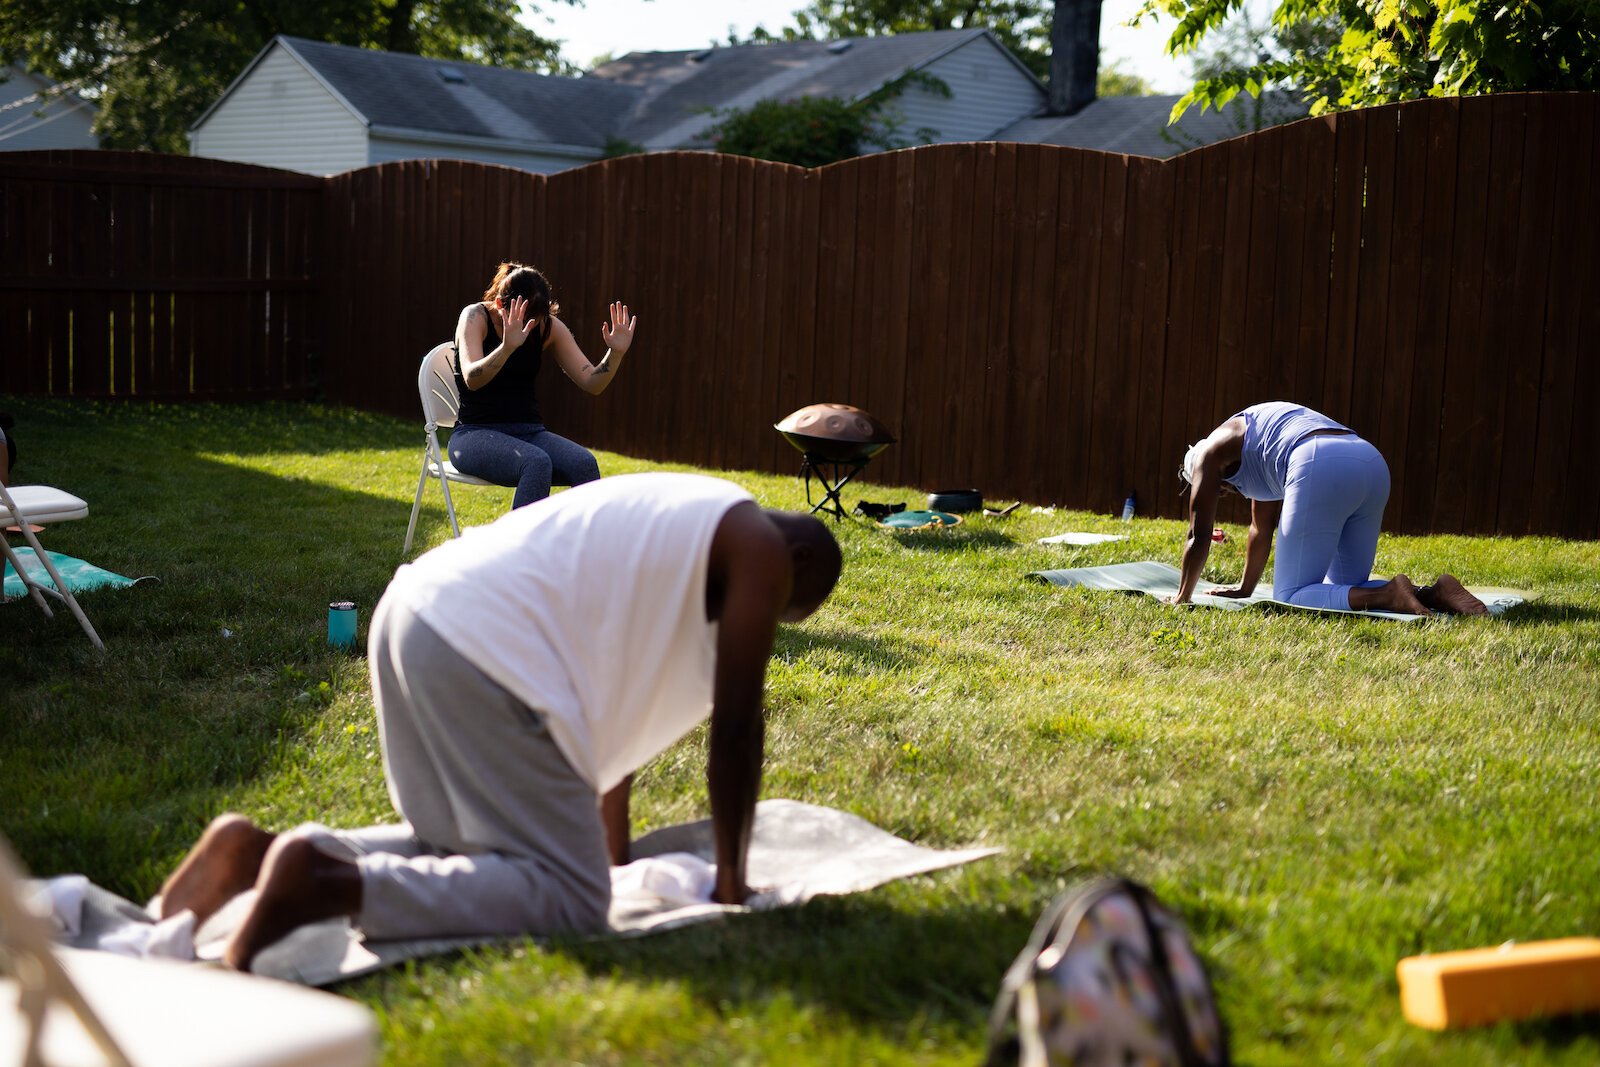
(1043, 323)
(133, 274)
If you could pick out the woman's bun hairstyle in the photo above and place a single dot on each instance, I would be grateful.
(512, 280)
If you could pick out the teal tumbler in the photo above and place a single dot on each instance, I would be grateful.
(342, 624)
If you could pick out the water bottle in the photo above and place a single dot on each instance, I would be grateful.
(1128, 507)
(342, 624)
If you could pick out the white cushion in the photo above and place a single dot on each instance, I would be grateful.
(189, 1015)
(44, 504)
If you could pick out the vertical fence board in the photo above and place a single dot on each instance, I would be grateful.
(1030, 317)
(1392, 404)
(1108, 468)
(1572, 264)
(1524, 348)
(929, 337)
(1155, 444)
(1178, 366)
(1310, 348)
(894, 361)
(1349, 193)
(1433, 316)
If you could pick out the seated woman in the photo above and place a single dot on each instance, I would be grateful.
(500, 345)
(1325, 489)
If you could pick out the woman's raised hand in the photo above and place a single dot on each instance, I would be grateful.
(618, 333)
(517, 323)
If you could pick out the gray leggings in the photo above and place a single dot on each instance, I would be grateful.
(501, 836)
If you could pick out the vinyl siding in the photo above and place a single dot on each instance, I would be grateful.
(988, 91)
(281, 116)
(66, 122)
(390, 149)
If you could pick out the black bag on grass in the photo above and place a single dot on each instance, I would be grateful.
(1107, 978)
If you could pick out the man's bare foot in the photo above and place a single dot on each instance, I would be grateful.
(222, 864)
(1448, 594)
(299, 885)
(1397, 594)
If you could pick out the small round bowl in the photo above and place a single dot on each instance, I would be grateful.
(955, 501)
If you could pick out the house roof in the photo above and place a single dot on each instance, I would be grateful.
(400, 91)
(678, 87)
(1138, 126)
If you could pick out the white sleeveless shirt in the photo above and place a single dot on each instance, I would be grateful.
(591, 608)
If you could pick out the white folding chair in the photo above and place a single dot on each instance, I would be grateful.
(436, 384)
(42, 504)
(80, 1007)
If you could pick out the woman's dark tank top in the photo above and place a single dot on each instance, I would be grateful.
(512, 395)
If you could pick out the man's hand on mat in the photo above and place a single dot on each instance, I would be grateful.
(1232, 594)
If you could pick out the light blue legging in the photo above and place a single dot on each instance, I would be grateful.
(1328, 531)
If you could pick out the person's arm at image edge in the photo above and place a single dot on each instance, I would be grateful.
(757, 578)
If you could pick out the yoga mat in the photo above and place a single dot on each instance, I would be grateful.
(797, 851)
(1161, 580)
(1073, 537)
(79, 575)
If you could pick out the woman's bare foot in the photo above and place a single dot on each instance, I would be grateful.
(299, 885)
(1397, 594)
(222, 864)
(1448, 594)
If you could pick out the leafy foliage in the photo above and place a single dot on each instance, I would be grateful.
(813, 131)
(155, 66)
(1390, 50)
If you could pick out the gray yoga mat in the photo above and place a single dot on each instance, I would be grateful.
(1160, 580)
(797, 851)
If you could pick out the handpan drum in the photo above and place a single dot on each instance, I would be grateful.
(835, 433)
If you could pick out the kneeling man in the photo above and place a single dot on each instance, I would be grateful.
(521, 674)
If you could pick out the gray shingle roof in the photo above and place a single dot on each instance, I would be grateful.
(410, 92)
(678, 86)
(1137, 125)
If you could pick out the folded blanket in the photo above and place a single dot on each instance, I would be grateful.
(1161, 580)
(797, 851)
(79, 575)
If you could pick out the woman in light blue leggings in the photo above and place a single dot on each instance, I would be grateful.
(1323, 489)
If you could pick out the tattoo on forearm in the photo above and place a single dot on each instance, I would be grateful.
(604, 366)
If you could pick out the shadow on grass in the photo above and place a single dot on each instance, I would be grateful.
(957, 539)
(870, 652)
(1549, 611)
(857, 957)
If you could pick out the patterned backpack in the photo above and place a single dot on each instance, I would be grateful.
(1107, 978)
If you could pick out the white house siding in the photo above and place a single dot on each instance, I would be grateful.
(987, 92)
(281, 116)
(390, 149)
(62, 122)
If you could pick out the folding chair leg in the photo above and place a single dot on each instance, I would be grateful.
(28, 583)
(62, 593)
(450, 508)
(416, 505)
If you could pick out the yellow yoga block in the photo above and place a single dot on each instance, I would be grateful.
(1490, 985)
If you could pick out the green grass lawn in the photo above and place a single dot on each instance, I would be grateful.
(1317, 796)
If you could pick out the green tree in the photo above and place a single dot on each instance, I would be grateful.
(1389, 50)
(813, 131)
(1114, 80)
(154, 66)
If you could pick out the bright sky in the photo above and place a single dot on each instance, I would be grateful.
(622, 26)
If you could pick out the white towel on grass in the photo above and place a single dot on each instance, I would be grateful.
(797, 851)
